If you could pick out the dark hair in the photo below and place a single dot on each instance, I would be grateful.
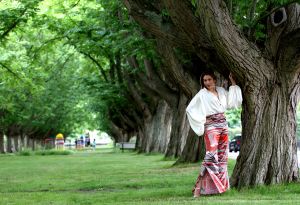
(210, 73)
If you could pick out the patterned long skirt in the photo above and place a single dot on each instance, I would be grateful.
(213, 176)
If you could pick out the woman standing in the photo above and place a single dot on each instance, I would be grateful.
(206, 116)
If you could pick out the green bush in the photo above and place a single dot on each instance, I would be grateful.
(25, 153)
(44, 152)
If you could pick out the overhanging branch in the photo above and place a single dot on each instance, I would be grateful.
(153, 23)
(240, 56)
(10, 71)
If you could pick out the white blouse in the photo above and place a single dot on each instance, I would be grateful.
(205, 103)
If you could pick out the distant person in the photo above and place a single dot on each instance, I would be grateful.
(206, 116)
(81, 142)
(94, 144)
(76, 142)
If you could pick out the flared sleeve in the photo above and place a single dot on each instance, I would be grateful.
(234, 97)
(196, 115)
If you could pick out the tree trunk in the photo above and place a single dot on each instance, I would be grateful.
(32, 143)
(2, 143)
(160, 129)
(146, 133)
(38, 143)
(194, 149)
(139, 139)
(28, 142)
(178, 131)
(268, 151)
(16, 143)
(9, 144)
(116, 133)
(22, 142)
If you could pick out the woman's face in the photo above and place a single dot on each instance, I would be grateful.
(209, 82)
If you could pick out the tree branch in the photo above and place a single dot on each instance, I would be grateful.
(143, 107)
(182, 15)
(118, 67)
(175, 71)
(240, 56)
(13, 25)
(153, 23)
(10, 71)
(97, 63)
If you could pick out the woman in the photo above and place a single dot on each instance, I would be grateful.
(206, 116)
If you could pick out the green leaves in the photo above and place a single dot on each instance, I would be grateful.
(41, 86)
(255, 25)
(62, 63)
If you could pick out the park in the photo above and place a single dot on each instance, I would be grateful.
(129, 101)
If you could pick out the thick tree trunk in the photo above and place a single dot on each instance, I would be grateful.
(116, 133)
(2, 143)
(194, 149)
(31, 142)
(16, 143)
(139, 139)
(268, 151)
(28, 142)
(23, 141)
(178, 132)
(160, 129)
(9, 147)
(38, 144)
(147, 132)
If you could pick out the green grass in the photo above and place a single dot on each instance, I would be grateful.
(109, 177)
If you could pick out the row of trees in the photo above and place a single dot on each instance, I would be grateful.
(134, 66)
(41, 85)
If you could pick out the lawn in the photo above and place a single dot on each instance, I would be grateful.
(111, 177)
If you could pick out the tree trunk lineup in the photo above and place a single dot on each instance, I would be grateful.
(16, 144)
(13, 141)
(160, 122)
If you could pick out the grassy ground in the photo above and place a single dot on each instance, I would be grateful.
(109, 177)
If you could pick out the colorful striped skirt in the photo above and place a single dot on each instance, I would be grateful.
(213, 176)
